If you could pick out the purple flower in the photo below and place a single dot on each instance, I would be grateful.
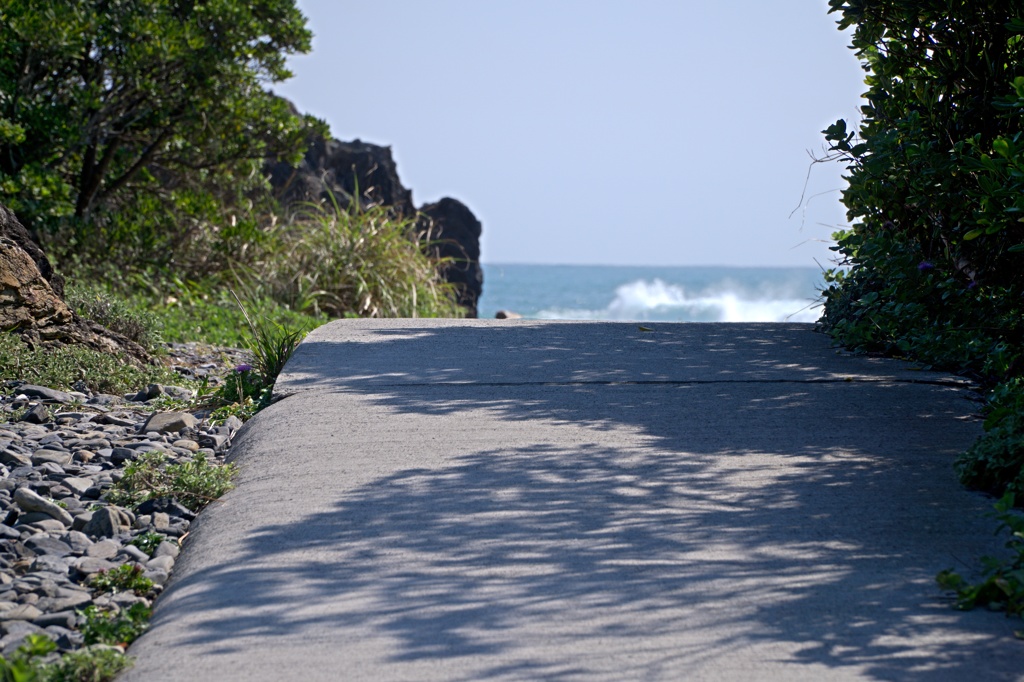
(925, 265)
(972, 285)
(243, 368)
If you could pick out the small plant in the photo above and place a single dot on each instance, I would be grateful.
(1002, 584)
(249, 388)
(195, 483)
(26, 664)
(147, 542)
(140, 479)
(244, 382)
(124, 578)
(34, 661)
(87, 665)
(272, 345)
(198, 482)
(110, 627)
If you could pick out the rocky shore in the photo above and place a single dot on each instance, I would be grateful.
(61, 453)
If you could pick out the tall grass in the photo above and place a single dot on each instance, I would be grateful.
(353, 261)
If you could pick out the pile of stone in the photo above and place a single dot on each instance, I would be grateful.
(60, 453)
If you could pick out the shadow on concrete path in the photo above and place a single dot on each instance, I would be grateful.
(471, 502)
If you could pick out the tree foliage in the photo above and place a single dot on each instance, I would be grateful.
(934, 260)
(136, 119)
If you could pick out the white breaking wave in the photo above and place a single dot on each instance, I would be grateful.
(656, 300)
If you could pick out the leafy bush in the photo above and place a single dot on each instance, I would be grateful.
(995, 463)
(1002, 584)
(934, 260)
(933, 265)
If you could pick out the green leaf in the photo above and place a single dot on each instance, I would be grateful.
(973, 234)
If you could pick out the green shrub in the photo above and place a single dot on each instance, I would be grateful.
(26, 664)
(1002, 584)
(933, 264)
(35, 661)
(995, 463)
(87, 665)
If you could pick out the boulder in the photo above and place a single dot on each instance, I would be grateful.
(169, 422)
(33, 308)
(13, 230)
(453, 232)
(507, 315)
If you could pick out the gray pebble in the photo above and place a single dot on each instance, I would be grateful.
(104, 549)
(133, 553)
(32, 502)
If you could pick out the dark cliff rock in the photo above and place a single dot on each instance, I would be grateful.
(453, 232)
(347, 169)
(342, 169)
(31, 306)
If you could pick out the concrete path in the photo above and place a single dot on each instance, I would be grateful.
(509, 500)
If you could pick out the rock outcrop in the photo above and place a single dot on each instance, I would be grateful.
(342, 171)
(12, 229)
(31, 306)
(453, 233)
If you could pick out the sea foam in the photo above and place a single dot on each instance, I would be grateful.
(653, 300)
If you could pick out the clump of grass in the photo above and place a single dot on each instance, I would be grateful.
(249, 388)
(205, 311)
(355, 260)
(194, 483)
(62, 367)
(116, 314)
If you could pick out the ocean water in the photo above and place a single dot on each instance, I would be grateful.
(667, 294)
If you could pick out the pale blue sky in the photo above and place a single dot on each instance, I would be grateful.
(649, 132)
